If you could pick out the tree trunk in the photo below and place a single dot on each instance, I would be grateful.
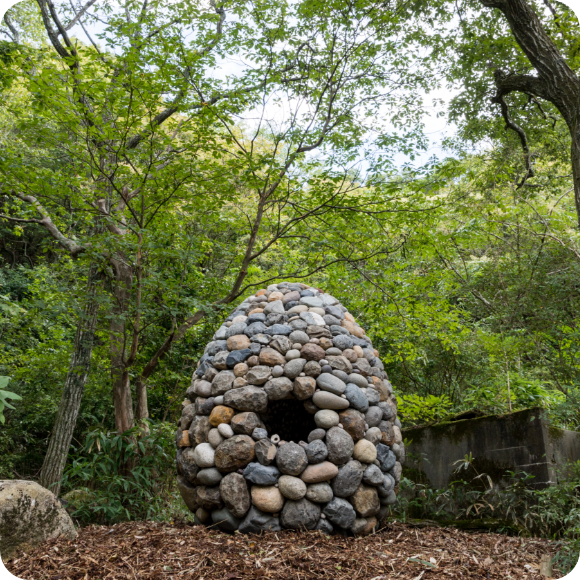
(122, 400)
(556, 81)
(70, 402)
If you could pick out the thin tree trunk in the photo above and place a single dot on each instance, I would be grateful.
(70, 402)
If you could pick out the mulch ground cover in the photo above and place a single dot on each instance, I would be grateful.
(143, 550)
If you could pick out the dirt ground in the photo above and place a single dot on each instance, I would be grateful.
(151, 550)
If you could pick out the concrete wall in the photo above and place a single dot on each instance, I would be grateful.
(520, 441)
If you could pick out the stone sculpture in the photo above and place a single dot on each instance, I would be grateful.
(290, 421)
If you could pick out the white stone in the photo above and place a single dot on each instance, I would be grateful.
(225, 430)
(326, 419)
(240, 318)
(204, 455)
(364, 451)
(297, 310)
(292, 354)
(312, 318)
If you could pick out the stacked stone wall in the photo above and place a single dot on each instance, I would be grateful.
(292, 360)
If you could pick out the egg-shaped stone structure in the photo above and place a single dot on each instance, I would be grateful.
(290, 421)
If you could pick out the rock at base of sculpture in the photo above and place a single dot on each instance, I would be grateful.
(30, 515)
(304, 420)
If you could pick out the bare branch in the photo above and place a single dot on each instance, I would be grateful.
(14, 33)
(78, 15)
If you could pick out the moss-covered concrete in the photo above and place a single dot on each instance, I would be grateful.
(521, 441)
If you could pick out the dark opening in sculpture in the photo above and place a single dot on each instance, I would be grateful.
(290, 420)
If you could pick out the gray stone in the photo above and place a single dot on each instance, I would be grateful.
(316, 434)
(225, 520)
(245, 423)
(312, 319)
(283, 329)
(316, 451)
(238, 356)
(188, 465)
(234, 492)
(356, 398)
(291, 459)
(330, 383)
(373, 475)
(389, 499)
(328, 300)
(292, 487)
(334, 311)
(265, 451)
(319, 492)
(299, 336)
(326, 400)
(324, 526)
(256, 317)
(374, 435)
(30, 515)
(299, 324)
(261, 339)
(340, 513)
(257, 521)
(281, 344)
(277, 371)
(262, 474)
(209, 476)
(209, 498)
(237, 328)
(388, 412)
(222, 383)
(258, 375)
(214, 347)
(255, 328)
(276, 306)
(247, 399)
(255, 347)
(311, 302)
(340, 445)
(342, 341)
(326, 418)
(279, 388)
(386, 486)
(293, 368)
(312, 369)
(276, 318)
(300, 515)
(221, 333)
(335, 330)
(341, 375)
(374, 416)
(258, 434)
(204, 406)
(333, 351)
(358, 380)
(187, 491)
(293, 296)
(385, 457)
(348, 479)
(330, 320)
(373, 396)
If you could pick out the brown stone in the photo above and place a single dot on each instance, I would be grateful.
(234, 453)
(253, 361)
(221, 414)
(241, 369)
(365, 501)
(199, 429)
(268, 499)
(304, 388)
(239, 382)
(188, 493)
(275, 296)
(353, 328)
(348, 316)
(291, 297)
(363, 366)
(238, 342)
(261, 292)
(382, 389)
(312, 369)
(271, 357)
(359, 351)
(187, 415)
(388, 432)
(350, 354)
(320, 472)
(325, 343)
(372, 523)
(184, 441)
(245, 423)
(234, 492)
(353, 422)
(209, 498)
(312, 351)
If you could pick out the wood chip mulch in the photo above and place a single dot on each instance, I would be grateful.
(162, 551)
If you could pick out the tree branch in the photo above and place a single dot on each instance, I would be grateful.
(12, 28)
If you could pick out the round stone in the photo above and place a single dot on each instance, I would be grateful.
(374, 416)
(299, 337)
(204, 455)
(320, 472)
(353, 422)
(210, 476)
(316, 434)
(293, 368)
(365, 451)
(258, 434)
(348, 479)
(316, 451)
(271, 357)
(214, 438)
(235, 494)
(292, 354)
(373, 475)
(238, 342)
(340, 513)
(326, 418)
(312, 351)
(234, 453)
(312, 369)
(268, 499)
(277, 371)
(292, 487)
(326, 400)
(221, 414)
(225, 430)
(241, 369)
(374, 435)
(319, 493)
(329, 382)
(291, 459)
(340, 445)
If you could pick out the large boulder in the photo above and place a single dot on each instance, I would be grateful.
(30, 515)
